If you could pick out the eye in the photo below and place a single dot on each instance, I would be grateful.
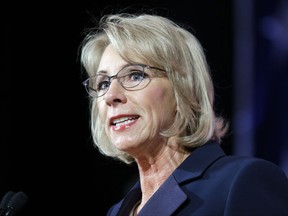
(101, 82)
(103, 85)
(136, 75)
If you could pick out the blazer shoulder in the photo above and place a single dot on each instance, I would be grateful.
(257, 185)
(247, 164)
(251, 166)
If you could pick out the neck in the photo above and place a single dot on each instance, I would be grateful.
(153, 171)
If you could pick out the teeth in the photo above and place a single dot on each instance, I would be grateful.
(123, 120)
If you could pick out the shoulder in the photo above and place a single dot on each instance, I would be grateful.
(247, 174)
(250, 167)
(249, 177)
(255, 183)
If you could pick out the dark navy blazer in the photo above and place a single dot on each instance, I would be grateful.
(211, 183)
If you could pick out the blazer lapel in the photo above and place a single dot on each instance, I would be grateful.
(198, 161)
(169, 197)
(165, 201)
(123, 208)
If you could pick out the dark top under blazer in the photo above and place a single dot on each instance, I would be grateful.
(211, 183)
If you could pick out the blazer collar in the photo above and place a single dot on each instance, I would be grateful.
(165, 202)
(198, 161)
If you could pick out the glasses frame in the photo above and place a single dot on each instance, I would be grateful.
(110, 78)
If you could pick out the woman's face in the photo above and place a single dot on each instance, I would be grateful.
(140, 114)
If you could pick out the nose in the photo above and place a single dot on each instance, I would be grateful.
(115, 94)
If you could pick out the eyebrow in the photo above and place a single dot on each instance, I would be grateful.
(105, 72)
(101, 72)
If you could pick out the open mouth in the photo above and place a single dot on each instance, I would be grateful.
(124, 120)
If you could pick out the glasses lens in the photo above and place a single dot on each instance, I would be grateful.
(97, 85)
(132, 76)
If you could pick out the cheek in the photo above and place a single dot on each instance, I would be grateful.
(165, 96)
(164, 102)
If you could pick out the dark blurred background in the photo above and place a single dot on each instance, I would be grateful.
(46, 149)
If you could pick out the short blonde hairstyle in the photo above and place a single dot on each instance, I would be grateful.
(160, 42)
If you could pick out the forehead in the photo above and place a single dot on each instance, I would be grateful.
(115, 59)
(110, 60)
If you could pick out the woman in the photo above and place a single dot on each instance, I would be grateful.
(152, 104)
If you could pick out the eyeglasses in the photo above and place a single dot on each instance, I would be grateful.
(132, 78)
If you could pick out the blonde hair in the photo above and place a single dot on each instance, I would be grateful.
(158, 41)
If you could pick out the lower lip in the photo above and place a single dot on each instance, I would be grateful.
(123, 127)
